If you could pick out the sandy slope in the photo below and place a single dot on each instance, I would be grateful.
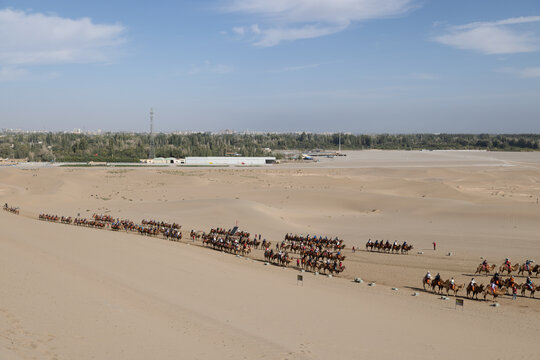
(70, 292)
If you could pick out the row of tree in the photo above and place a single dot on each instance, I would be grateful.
(130, 147)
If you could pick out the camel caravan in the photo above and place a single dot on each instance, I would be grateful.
(146, 227)
(386, 247)
(231, 241)
(11, 209)
(496, 287)
(317, 253)
(526, 267)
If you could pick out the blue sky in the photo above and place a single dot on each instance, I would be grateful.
(362, 66)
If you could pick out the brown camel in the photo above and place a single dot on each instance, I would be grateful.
(487, 269)
(524, 268)
(531, 288)
(426, 281)
(455, 288)
(508, 269)
(475, 290)
(494, 292)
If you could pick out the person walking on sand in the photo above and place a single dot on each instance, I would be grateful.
(434, 246)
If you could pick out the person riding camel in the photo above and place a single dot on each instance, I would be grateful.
(428, 277)
(511, 280)
(484, 264)
(437, 278)
(529, 283)
(404, 244)
(507, 263)
(527, 264)
(452, 283)
(473, 284)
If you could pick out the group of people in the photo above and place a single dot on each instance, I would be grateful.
(387, 246)
(48, 217)
(230, 241)
(11, 209)
(315, 241)
(316, 252)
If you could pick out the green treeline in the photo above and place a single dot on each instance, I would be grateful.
(130, 147)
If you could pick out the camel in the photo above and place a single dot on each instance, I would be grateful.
(509, 284)
(529, 269)
(369, 245)
(426, 281)
(405, 249)
(487, 269)
(494, 292)
(536, 269)
(508, 269)
(440, 284)
(475, 290)
(455, 288)
(531, 288)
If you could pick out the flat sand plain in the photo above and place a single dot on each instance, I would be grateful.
(78, 293)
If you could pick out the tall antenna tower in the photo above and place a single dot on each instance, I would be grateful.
(152, 153)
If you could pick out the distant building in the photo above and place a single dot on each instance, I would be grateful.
(163, 161)
(230, 160)
(8, 161)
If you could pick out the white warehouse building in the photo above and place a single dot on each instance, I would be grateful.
(225, 160)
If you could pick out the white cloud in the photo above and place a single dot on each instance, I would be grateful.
(288, 20)
(496, 37)
(35, 38)
(530, 72)
(294, 68)
(11, 73)
(210, 68)
(239, 30)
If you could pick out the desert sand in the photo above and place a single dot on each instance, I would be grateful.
(71, 292)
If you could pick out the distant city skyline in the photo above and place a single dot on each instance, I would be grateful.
(358, 66)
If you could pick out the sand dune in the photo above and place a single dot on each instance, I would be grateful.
(76, 293)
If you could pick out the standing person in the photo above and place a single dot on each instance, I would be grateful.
(353, 249)
(434, 246)
(514, 291)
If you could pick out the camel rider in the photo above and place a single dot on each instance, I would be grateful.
(473, 284)
(529, 282)
(511, 280)
(496, 277)
(452, 283)
(437, 278)
(527, 264)
(507, 262)
(428, 277)
(376, 242)
(404, 244)
(369, 241)
(484, 264)
(395, 243)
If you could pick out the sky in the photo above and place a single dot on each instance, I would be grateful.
(360, 66)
